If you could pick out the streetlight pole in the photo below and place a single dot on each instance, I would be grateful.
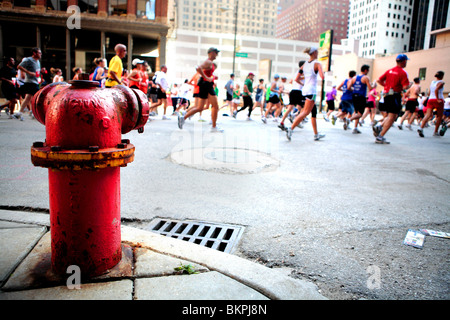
(235, 33)
(236, 8)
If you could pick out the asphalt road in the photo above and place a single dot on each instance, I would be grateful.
(333, 211)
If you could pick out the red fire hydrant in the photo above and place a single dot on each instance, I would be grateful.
(84, 152)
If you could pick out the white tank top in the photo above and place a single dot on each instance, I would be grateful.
(295, 84)
(310, 86)
(433, 90)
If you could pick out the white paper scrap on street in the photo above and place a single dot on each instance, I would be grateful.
(434, 233)
(414, 238)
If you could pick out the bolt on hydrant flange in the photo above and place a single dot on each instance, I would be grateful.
(84, 125)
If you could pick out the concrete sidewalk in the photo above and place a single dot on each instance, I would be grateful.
(146, 272)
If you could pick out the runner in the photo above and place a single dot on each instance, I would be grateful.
(31, 66)
(99, 73)
(446, 120)
(435, 101)
(134, 77)
(9, 86)
(247, 96)
(274, 99)
(183, 96)
(259, 96)
(206, 91)
(296, 99)
(236, 99)
(143, 85)
(163, 87)
(331, 97)
(360, 85)
(309, 90)
(394, 81)
(229, 87)
(371, 107)
(346, 104)
(411, 97)
(115, 69)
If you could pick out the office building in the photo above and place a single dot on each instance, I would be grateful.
(382, 27)
(428, 16)
(306, 19)
(254, 17)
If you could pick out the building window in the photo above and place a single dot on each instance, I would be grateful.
(118, 7)
(58, 5)
(24, 3)
(422, 73)
(89, 6)
(146, 9)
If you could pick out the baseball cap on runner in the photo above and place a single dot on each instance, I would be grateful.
(276, 76)
(312, 50)
(137, 61)
(401, 57)
(212, 49)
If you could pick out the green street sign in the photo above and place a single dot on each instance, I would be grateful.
(242, 54)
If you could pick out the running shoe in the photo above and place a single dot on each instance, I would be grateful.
(326, 118)
(409, 127)
(216, 129)
(318, 136)
(400, 127)
(282, 127)
(443, 129)
(234, 114)
(376, 130)
(356, 131)
(333, 120)
(291, 117)
(263, 119)
(420, 131)
(381, 140)
(180, 121)
(436, 134)
(164, 117)
(289, 134)
(346, 122)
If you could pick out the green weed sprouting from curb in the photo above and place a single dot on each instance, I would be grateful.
(186, 269)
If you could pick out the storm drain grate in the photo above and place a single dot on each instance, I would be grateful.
(220, 237)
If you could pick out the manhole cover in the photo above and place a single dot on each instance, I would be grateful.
(225, 160)
(220, 237)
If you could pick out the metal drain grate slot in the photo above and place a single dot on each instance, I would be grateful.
(215, 236)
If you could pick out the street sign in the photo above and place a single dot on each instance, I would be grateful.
(242, 54)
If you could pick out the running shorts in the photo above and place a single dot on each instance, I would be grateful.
(393, 103)
(370, 104)
(206, 88)
(359, 103)
(274, 99)
(296, 98)
(411, 105)
(433, 104)
(30, 88)
(330, 104)
(160, 94)
(312, 97)
(346, 106)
